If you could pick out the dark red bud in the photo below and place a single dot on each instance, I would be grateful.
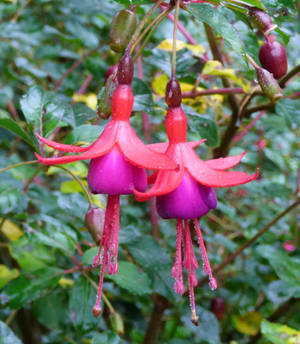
(173, 93)
(268, 84)
(121, 30)
(96, 311)
(125, 70)
(273, 58)
(218, 306)
(261, 20)
(94, 221)
(111, 71)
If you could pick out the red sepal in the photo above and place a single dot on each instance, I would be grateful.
(225, 163)
(211, 177)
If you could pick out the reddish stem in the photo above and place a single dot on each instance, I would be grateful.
(194, 94)
(239, 136)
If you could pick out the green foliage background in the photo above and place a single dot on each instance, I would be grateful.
(42, 209)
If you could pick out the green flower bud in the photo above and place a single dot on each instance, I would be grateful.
(104, 97)
(268, 84)
(122, 28)
(117, 323)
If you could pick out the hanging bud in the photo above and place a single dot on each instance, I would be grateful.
(217, 307)
(261, 20)
(121, 30)
(105, 96)
(112, 70)
(268, 84)
(125, 70)
(94, 221)
(173, 93)
(273, 58)
(117, 323)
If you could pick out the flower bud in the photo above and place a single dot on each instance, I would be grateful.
(173, 93)
(261, 20)
(273, 58)
(105, 96)
(122, 28)
(218, 306)
(125, 70)
(268, 84)
(94, 221)
(117, 323)
(111, 71)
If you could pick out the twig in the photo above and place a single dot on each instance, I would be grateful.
(11, 108)
(289, 76)
(75, 65)
(239, 136)
(85, 84)
(231, 257)
(31, 162)
(160, 304)
(80, 183)
(261, 107)
(195, 94)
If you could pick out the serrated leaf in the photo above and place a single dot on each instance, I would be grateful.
(7, 336)
(217, 19)
(280, 334)
(286, 267)
(132, 279)
(205, 127)
(82, 300)
(142, 96)
(22, 290)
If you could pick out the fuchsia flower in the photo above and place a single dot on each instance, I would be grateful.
(118, 162)
(187, 193)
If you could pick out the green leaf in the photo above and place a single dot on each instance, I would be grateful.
(132, 279)
(11, 199)
(14, 127)
(85, 133)
(280, 334)
(7, 336)
(32, 104)
(205, 127)
(89, 255)
(108, 337)
(81, 304)
(217, 19)
(142, 96)
(22, 290)
(286, 267)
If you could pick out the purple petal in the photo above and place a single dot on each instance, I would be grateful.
(188, 201)
(111, 174)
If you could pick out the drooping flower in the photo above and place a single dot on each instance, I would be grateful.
(187, 193)
(118, 162)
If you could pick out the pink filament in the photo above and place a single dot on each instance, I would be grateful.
(207, 269)
(177, 269)
(110, 242)
(189, 260)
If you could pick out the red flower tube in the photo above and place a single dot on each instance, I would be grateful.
(187, 193)
(118, 162)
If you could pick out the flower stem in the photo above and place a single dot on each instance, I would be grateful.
(31, 162)
(85, 190)
(153, 24)
(135, 38)
(173, 65)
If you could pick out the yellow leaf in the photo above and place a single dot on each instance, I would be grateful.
(89, 99)
(167, 45)
(216, 68)
(11, 230)
(71, 186)
(66, 282)
(78, 168)
(248, 323)
(159, 84)
(7, 275)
